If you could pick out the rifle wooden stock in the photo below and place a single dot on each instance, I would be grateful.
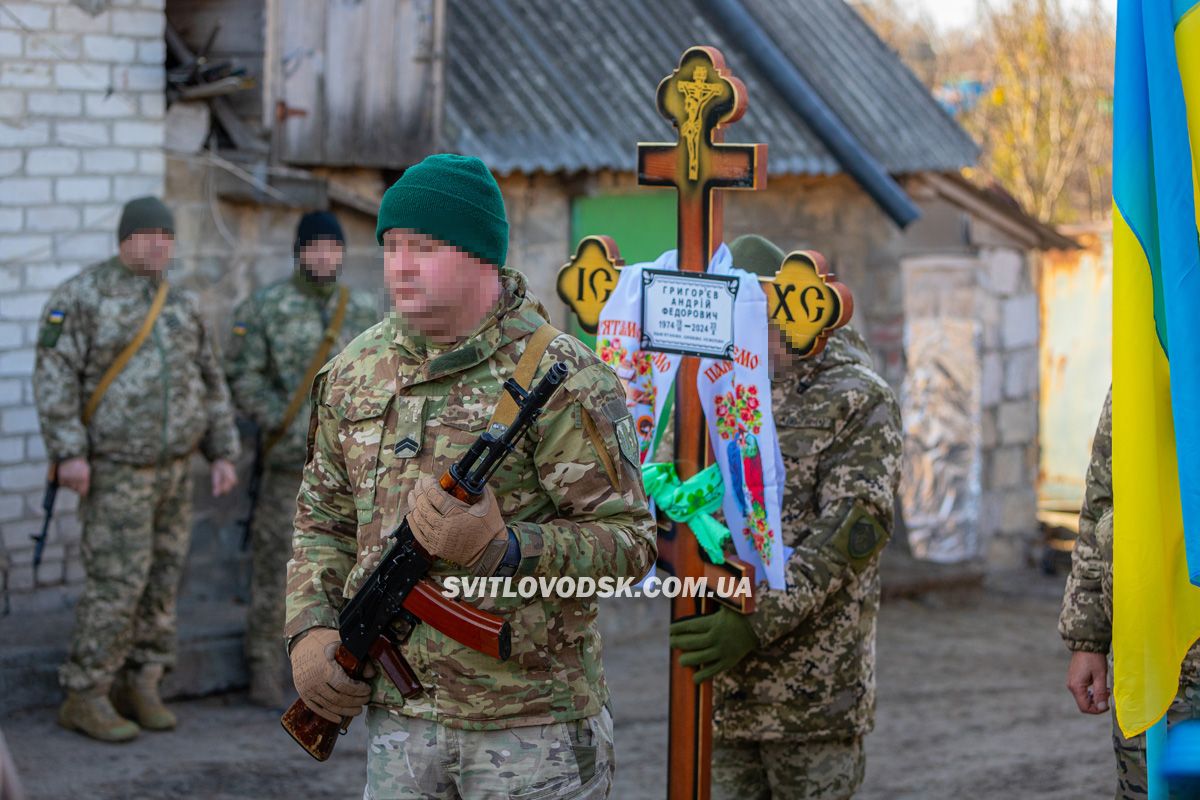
(464, 623)
(311, 731)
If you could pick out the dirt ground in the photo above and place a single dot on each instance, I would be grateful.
(971, 704)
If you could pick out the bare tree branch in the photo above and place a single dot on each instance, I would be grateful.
(1044, 119)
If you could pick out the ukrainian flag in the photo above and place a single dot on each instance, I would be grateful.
(1156, 354)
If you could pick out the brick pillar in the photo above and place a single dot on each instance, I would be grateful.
(1009, 309)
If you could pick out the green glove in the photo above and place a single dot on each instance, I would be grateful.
(718, 640)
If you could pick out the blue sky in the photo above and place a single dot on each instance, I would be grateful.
(957, 13)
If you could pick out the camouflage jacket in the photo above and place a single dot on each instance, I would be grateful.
(1085, 622)
(574, 514)
(813, 675)
(169, 399)
(276, 333)
(1086, 619)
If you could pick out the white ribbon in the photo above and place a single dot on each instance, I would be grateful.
(736, 397)
(743, 433)
(647, 377)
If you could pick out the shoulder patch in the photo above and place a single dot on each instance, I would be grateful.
(617, 413)
(627, 440)
(52, 327)
(864, 536)
(407, 447)
(859, 537)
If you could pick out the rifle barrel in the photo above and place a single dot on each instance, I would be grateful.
(48, 508)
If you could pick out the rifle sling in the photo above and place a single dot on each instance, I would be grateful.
(314, 366)
(506, 409)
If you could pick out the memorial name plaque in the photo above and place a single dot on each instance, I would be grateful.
(688, 313)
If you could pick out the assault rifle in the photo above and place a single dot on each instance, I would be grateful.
(48, 498)
(253, 487)
(397, 592)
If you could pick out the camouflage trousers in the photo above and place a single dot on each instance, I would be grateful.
(271, 547)
(136, 530)
(787, 769)
(408, 757)
(1131, 753)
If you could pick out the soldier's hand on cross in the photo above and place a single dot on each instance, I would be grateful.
(713, 643)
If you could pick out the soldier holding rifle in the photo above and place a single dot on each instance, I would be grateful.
(128, 386)
(392, 412)
(282, 335)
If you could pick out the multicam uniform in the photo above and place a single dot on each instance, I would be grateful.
(277, 333)
(388, 411)
(791, 716)
(1086, 619)
(169, 400)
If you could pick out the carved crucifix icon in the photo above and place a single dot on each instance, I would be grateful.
(696, 93)
(699, 97)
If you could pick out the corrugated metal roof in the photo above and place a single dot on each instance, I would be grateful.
(568, 85)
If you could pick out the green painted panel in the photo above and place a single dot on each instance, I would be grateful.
(642, 223)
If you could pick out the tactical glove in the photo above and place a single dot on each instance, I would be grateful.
(718, 641)
(321, 682)
(450, 529)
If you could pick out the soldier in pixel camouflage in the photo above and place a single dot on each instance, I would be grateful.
(1086, 619)
(281, 334)
(794, 682)
(128, 387)
(390, 414)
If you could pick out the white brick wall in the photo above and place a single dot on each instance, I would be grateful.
(81, 129)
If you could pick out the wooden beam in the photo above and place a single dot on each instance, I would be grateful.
(239, 132)
(234, 83)
(1015, 222)
(258, 182)
(351, 199)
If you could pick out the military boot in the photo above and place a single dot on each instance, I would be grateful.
(139, 693)
(92, 714)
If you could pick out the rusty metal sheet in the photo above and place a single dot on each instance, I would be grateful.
(1076, 363)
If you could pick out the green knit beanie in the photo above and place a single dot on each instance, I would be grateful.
(143, 214)
(452, 198)
(756, 254)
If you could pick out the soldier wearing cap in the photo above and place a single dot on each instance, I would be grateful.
(128, 387)
(390, 414)
(794, 682)
(282, 335)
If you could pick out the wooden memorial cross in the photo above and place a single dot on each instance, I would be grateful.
(803, 300)
(698, 97)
